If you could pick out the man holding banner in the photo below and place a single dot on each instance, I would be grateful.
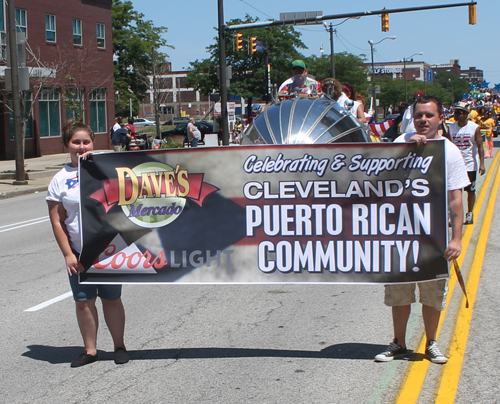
(428, 115)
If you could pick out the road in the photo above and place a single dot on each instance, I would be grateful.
(239, 344)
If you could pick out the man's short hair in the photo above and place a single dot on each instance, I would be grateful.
(427, 99)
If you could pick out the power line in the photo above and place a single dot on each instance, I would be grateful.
(249, 5)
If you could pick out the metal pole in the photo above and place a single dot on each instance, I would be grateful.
(404, 74)
(155, 95)
(373, 86)
(16, 97)
(222, 74)
(266, 55)
(332, 51)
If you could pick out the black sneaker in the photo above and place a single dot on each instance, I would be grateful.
(84, 359)
(121, 356)
(392, 351)
(469, 218)
(434, 354)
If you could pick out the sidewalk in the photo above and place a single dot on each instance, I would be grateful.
(40, 171)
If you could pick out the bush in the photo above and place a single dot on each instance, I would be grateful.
(169, 143)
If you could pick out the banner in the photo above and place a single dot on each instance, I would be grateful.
(337, 213)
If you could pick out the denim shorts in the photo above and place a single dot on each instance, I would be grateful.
(83, 292)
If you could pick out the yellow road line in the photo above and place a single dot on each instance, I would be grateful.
(450, 377)
(417, 370)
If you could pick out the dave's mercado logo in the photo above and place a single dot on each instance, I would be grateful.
(153, 194)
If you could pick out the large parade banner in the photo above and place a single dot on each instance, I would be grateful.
(339, 213)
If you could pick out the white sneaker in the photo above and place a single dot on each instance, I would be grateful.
(434, 354)
(469, 218)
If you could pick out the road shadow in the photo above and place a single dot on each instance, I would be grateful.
(355, 351)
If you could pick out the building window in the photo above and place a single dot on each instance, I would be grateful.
(100, 36)
(50, 112)
(97, 98)
(77, 32)
(50, 28)
(3, 46)
(21, 23)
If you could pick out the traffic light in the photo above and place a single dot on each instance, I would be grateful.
(253, 44)
(385, 22)
(239, 41)
(472, 14)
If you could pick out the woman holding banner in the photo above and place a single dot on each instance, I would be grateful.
(63, 198)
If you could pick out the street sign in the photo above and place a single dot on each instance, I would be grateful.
(260, 46)
(429, 76)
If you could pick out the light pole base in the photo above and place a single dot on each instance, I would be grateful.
(20, 182)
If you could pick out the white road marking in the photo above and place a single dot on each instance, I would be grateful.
(18, 225)
(49, 302)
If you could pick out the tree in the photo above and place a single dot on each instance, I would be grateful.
(248, 70)
(134, 40)
(349, 69)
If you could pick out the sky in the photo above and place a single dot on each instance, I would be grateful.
(442, 34)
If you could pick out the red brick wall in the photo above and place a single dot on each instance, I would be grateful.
(88, 65)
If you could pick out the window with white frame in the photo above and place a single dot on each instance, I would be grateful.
(77, 32)
(21, 21)
(97, 99)
(49, 106)
(50, 28)
(100, 36)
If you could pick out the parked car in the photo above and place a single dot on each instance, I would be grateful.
(203, 127)
(177, 121)
(143, 122)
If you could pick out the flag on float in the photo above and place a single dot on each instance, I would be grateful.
(380, 128)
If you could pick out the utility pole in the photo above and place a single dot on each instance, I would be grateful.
(222, 74)
(329, 28)
(16, 96)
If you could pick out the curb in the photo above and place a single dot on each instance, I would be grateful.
(17, 192)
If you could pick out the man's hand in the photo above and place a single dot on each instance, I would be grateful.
(419, 139)
(453, 251)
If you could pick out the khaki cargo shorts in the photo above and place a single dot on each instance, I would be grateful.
(432, 293)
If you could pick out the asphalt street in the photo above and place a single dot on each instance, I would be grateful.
(227, 344)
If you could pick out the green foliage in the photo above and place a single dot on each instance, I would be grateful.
(248, 70)
(134, 40)
(349, 69)
(393, 90)
(169, 143)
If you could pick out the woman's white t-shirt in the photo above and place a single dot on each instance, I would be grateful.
(65, 188)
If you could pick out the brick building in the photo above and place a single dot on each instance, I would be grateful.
(473, 75)
(69, 57)
(175, 98)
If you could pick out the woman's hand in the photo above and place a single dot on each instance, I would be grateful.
(73, 266)
(86, 155)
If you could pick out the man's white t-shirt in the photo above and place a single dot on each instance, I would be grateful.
(407, 125)
(464, 138)
(457, 177)
(65, 188)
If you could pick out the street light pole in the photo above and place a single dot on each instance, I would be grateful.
(404, 72)
(222, 73)
(372, 44)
